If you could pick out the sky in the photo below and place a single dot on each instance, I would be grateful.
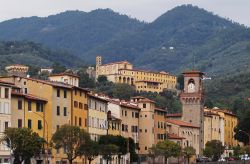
(144, 10)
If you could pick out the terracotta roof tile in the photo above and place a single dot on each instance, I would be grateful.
(175, 136)
(181, 123)
(29, 96)
(174, 115)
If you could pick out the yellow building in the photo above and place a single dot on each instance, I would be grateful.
(160, 127)
(146, 123)
(230, 122)
(123, 72)
(79, 113)
(66, 104)
(213, 126)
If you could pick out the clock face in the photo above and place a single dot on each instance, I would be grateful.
(191, 87)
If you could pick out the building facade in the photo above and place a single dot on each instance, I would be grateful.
(160, 125)
(5, 118)
(186, 134)
(97, 116)
(123, 72)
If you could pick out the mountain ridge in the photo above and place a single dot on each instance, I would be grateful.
(191, 31)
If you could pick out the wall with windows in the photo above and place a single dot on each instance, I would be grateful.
(97, 117)
(5, 119)
(160, 125)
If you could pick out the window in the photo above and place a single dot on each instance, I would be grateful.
(80, 121)
(19, 123)
(57, 127)
(58, 92)
(24, 83)
(58, 110)
(125, 113)
(29, 106)
(145, 115)
(65, 111)
(80, 105)
(6, 93)
(19, 104)
(39, 124)
(146, 148)
(146, 130)
(65, 94)
(86, 106)
(39, 107)
(6, 125)
(25, 90)
(123, 127)
(75, 104)
(132, 114)
(75, 92)
(136, 115)
(144, 105)
(29, 123)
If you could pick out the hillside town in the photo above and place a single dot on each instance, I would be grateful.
(45, 106)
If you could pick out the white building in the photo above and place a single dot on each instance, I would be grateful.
(5, 118)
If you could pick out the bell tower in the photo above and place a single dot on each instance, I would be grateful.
(98, 64)
(192, 99)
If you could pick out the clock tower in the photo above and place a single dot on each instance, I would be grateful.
(192, 99)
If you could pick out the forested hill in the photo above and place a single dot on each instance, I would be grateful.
(177, 40)
(32, 54)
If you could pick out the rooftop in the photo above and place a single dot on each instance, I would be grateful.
(65, 74)
(181, 123)
(29, 96)
(174, 136)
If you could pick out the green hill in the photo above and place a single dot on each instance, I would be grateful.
(29, 53)
(173, 42)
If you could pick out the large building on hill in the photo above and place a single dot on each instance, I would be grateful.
(123, 72)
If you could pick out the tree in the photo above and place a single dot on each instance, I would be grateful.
(243, 125)
(168, 149)
(214, 149)
(23, 142)
(118, 141)
(102, 79)
(85, 81)
(188, 152)
(238, 151)
(153, 152)
(180, 82)
(123, 91)
(90, 150)
(58, 68)
(72, 139)
(108, 150)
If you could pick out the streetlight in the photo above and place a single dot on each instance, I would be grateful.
(47, 138)
(247, 135)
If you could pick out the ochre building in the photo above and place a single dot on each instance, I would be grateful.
(123, 72)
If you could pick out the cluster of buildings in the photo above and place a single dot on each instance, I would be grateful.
(44, 106)
(123, 72)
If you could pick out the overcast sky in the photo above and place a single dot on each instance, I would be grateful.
(147, 10)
